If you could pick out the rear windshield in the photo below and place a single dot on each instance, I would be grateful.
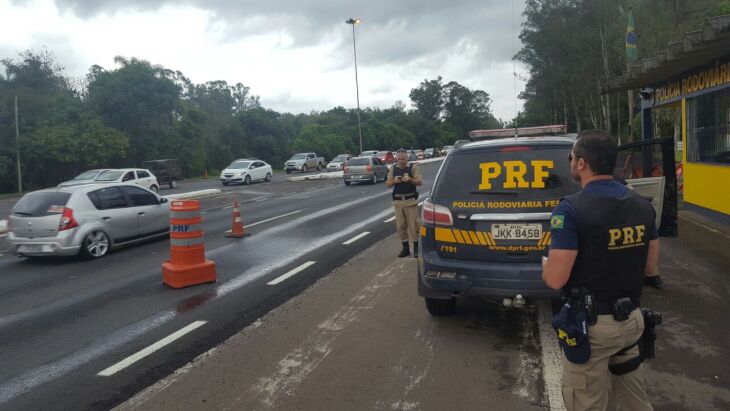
(41, 204)
(359, 162)
(506, 179)
(340, 158)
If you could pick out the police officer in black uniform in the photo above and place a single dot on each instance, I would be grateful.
(604, 241)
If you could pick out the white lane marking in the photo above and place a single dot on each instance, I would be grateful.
(389, 220)
(552, 367)
(262, 199)
(227, 207)
(150, 350)
(270, 219)
(357, 237)
(291, 273)
(203, 212)
(294, 367)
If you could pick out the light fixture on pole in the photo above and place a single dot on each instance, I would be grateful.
(357, 87)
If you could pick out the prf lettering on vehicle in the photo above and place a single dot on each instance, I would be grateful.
(514, 173)
(626, 237)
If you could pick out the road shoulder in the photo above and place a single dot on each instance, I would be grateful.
(360, 338)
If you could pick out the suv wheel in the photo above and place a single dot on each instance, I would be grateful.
(95, 245)
(304, 168)
(173, 183)
(347, 183)
(155, 189)
(319, 166)
(374, 179)
(268, 177)
(440, 307)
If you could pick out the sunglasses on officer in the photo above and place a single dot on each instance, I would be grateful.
(570, 157)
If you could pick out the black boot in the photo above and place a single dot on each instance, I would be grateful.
(415, 249)
(654, 281)
(404, 252)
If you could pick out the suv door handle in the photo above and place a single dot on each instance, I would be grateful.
(140, 213)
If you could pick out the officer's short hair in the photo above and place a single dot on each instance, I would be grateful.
(401, 151)
(598, 149)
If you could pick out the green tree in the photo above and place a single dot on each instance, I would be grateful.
(137, 98)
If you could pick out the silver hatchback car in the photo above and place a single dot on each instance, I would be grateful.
(365, 170)
(86, 219)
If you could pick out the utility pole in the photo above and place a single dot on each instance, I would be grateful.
(17, 147)
(353, 21)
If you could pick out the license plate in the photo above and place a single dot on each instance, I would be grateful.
(516, 231)
(30, 248)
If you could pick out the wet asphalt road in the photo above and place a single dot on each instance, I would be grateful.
(63, 320)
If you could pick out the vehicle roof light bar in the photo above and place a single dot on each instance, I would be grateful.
(518, 132)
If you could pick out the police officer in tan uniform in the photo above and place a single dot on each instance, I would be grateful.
(404, 178)
(604, 240)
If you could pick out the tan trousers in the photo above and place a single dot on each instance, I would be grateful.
(406, 219)
(591, 386)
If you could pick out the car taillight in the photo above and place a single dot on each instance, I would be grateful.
(67, 220)
(370, 168)
(435, 214)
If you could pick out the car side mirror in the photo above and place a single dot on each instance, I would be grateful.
(163, 200)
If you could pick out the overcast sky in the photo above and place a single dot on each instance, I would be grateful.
(295, 54)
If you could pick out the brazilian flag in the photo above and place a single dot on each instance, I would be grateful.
(631, 52)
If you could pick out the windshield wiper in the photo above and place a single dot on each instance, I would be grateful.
(514, 193)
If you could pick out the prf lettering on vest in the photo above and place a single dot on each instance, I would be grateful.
(514, 173)
(625, 237)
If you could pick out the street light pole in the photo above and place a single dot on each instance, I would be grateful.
(17, 147)
(357, 87)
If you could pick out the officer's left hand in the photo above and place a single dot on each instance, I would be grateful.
(406, 179)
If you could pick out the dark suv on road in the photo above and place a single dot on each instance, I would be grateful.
(486, 223)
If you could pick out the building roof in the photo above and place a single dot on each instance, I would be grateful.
(696, 48)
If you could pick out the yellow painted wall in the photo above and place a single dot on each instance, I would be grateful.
(705, 185)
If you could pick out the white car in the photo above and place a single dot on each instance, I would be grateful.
(338, 163)
(138, 176)
(245, 171)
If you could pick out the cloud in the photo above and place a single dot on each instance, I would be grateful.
(391, 31)
(297, 55)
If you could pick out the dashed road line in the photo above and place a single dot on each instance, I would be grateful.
(389, 220)
(291, 273)
(357, 237)
(150, 350)
(270, 219)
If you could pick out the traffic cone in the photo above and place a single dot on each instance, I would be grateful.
(187, 264)
(205, 174)
(237, 231)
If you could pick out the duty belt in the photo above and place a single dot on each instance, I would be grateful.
(606, 308)
(405, 196)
